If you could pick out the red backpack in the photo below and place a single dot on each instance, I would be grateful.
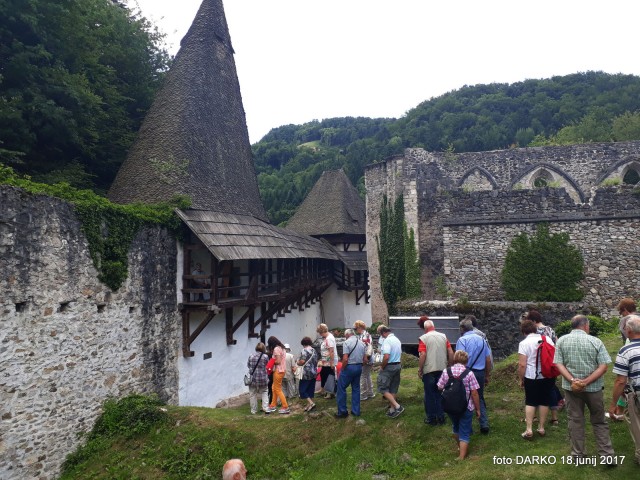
(544, 359)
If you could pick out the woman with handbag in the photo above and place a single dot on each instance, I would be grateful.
(329, 354)
(257, 364)
(366, 385)
(306, 372)
(279, 356)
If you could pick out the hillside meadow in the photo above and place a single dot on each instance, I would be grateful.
(194, 443)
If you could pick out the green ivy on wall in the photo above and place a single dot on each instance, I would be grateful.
(544, 267)
(397, 254)
(110, 228)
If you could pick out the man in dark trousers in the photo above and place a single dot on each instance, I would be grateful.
(479, 362)
(435, 355)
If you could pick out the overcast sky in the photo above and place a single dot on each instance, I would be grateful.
(300, 60)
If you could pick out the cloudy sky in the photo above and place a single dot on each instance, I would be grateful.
(300, 60)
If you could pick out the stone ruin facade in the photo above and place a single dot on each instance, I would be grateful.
(466, 208)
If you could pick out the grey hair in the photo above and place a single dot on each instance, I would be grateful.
(579, 321)
(472, 319)
(348, 332)
(428, 324)
(466, 325)
(633, 323)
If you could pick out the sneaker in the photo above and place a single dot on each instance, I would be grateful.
(484, 430)
(397, 412)
(373, 395)
(363, 398)
(283, 411)
(270, 409)
(341, 415)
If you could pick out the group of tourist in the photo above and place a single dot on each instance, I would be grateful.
(581, 361)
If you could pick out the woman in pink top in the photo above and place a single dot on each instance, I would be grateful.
(279, 354)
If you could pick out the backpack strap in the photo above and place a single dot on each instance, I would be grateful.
(538, 361)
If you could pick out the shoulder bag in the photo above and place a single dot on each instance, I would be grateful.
(248, 377)
(299, 373)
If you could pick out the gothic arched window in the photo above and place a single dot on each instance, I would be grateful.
(542, 179)
(631, 177)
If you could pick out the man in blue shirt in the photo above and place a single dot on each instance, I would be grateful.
(479, 362)
(352, 358)
(389, 375)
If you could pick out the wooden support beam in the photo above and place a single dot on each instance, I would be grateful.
(253, 323)
(201, 327)
(186, 346)
(228, 313)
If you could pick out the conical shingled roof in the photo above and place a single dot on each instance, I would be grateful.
(194, 139)
(333, 207)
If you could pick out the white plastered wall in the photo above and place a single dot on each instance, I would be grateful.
(204, 383)
(340, 309)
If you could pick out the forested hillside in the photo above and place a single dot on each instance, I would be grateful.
(76, 78)
(583, 107)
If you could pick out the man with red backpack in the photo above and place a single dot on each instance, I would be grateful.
(582, 361)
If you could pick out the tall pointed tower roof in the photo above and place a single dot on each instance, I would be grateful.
(194, 139)
(332, 207)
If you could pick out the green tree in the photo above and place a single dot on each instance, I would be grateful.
(544, 267)
(77, 79)
(626, 127)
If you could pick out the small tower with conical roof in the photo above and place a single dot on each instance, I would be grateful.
(194, 139)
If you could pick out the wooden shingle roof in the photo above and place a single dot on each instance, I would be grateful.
(333, 207)
(194, 139)
(243, 237)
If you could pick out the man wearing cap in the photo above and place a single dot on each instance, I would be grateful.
(627, 369)
(435, 355)
(353, 355)
(389, 375)
(289, 387)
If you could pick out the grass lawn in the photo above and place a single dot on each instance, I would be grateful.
(195, 442)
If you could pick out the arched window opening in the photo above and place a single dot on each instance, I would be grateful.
(631, 177)
(542, 179)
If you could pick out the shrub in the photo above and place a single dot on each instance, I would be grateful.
(373, 329)
(597, 326)
(129, 417)
(544, 267)
(409, 361)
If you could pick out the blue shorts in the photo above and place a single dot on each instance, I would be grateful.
(307, 388)
(462, 425)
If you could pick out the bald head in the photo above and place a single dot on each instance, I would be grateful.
(234, 469)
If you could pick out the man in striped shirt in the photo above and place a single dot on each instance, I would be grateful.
(627, 369)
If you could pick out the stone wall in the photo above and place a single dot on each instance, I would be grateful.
(499, 320)
(470, 205)
(66, 341)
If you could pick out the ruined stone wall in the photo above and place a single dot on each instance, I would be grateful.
(470, 205)
(475, 242)
(66, 341)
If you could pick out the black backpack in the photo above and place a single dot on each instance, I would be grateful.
(454, 395)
